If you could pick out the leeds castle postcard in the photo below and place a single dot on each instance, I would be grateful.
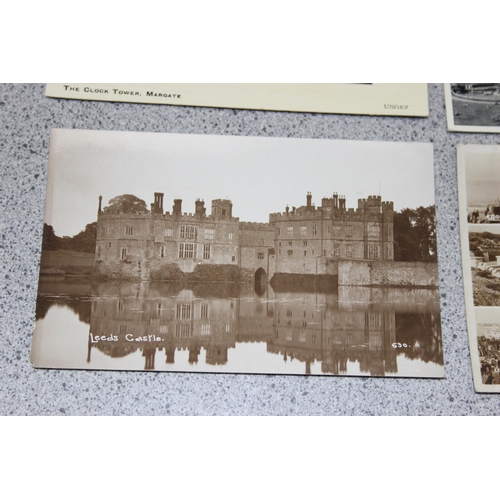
(203, 253)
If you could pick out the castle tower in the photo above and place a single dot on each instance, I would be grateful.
(222, 209)
(200, 209)
(374, 204)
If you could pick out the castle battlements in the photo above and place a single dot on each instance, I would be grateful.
(255, 226)
(294, 216)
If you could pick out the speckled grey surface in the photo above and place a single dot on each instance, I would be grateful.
(27, 117)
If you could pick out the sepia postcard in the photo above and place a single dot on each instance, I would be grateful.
(204, 253)
(473, 107)
(386, 99)
(479, 205)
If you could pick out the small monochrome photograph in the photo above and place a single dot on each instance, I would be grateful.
(473, 107)
(479, 208)
(230, 254)
(488, 345)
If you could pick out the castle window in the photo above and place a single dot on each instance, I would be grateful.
(373, 229)
(109, 230)
(336, 230)
(183, 311)
(260, 255)
(205, 330)
(204, 311)
(123, 253)
(109, 244)
(164, 329)
(129, 230)
(305, 253)
(372, 252)
(304, 243)
(123, 329)
(187, 251)
(162, 251)
(230, 236)
(302, 336)
(336, 250)
(233, 258)
(183, 330)
(348, 250)
(348, 230)
(290, 243)
(98, 252)
(168, 232)
(290, 230)
(206, 252)
(279, 243)
(315, 229)
(290, 252)
(303, 230)
(279, 251)
(188, 232)
(223, 212)
(278, 231)
(209, 234)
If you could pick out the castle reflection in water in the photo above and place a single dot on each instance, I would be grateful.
(354, 324)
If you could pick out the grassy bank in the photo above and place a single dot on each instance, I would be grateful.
(66, 263)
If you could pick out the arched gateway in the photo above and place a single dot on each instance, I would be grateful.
(260, 276)
(260, 281)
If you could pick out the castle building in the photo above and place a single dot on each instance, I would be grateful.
(307, 240)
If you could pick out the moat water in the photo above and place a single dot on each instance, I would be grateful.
(238, 329)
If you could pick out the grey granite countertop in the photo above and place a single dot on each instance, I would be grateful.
(27, 117)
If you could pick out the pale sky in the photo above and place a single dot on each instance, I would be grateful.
(259, 175)
(482, 162)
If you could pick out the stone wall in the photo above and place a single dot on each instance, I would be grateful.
(388, 273)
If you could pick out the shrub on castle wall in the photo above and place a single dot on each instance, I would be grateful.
(116, 271)
(167, 272)
(220, 273)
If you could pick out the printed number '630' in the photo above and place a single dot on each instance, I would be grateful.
(398, 345)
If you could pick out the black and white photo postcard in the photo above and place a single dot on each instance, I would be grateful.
(228, 254)
(473, 107)
(383, 99)
(479, 205)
